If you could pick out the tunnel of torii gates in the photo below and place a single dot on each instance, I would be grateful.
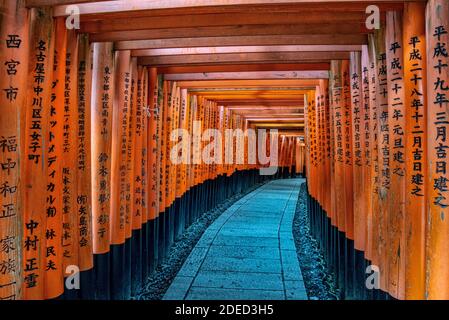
(86, 179)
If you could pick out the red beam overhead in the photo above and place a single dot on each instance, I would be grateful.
(252, 40)
(245, 67)
(235, 30)
(263, 83)
(128, 5)
(243, 49)
(219, 19)
(249, 75)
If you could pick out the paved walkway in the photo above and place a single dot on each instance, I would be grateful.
(248, 253)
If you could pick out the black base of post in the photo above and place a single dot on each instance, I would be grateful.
(136, 260)
(117, 255)
(102, 274)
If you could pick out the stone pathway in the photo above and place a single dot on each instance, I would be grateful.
(248, 253)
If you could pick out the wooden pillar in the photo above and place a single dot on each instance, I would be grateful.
(384, 157)
(34, 153)
(348, 154)
(324, 89)
(358, 113)
(414, 41)
(119, 142)
(152, 139)
(367, 152)
(54, 284)
(437, 41)
(84, 188)
(396, 127)
(14, 48)
(337, 109)
(133, 220)
(70, 232)
(101, 135)
(373, 222)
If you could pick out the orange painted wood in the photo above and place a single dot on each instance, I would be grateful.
(34, 154)
(120, 118)
(223, 19)
(83, 150)
(152, 142)
(332, 159)
(437, 38)
(396, 126)
(145, 144)
(14, 20)
(254, 40)
(137, 215)
(373, 226)
(380, 220)
(163, 148)
(358, 138)
(70, 233)
(317, 147)
(235, 30)
(338, 111)
(324, 89)
(368, 151)
(54, 284)
(102, 95)
(348, 152)
(415, 64)
(137, 212)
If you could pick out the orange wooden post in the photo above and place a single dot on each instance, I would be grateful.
(119, 172)
(324, 90)
(437, 258)
(133, 221)
(152, 138)
(368, 152)
(357, 111)
(101, 139)
(136, 117)
(348, 154)
(359, 164)
(339, 171)
(348, 185)
(415, 148)
(14, 49)
(332, 160)
(163, 160)
(70, 232)
(152, 176)
(416, 170)
(337, 101)
(145, 143)
(396, 127)
(161, 168)
(318, 146)
(84, 161)
(373, 222)
(135, 167)
(84, 182)
(34, 153)
(384, 156)
(54, 276)
(119, 141)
